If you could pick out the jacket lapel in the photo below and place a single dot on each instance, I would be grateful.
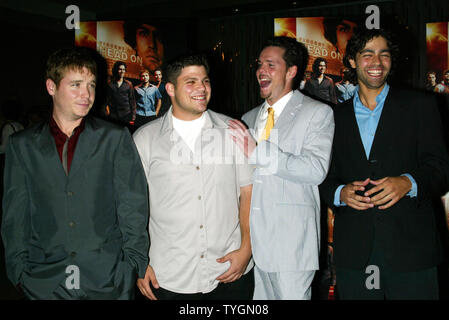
(353, 138)
(388, 124)
(87, 142)
(289, 113)
(46, 146)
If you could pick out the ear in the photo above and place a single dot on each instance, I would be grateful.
(51, 87)
(170, 88)
(291, 72)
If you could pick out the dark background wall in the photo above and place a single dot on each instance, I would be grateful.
(229, 32)
(231, 29)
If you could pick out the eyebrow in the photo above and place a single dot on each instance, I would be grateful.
(79, 81)
(372, 51)
(196, 78)
(267, 60)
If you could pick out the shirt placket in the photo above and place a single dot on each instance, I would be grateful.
(203, 266)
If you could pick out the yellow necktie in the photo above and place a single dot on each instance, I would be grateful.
(269, 125)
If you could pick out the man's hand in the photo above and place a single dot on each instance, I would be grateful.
(239, 260)
(392, 189)
(144, 284)
(242, 137)
(353, 200)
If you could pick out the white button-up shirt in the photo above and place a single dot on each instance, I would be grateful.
(194, 201)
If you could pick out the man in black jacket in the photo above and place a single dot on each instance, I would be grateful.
(389, 163)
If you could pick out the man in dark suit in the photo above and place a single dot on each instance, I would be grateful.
(75, 207)
(321, 86)
(389, 163)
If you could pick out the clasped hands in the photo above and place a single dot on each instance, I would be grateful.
(391, 190)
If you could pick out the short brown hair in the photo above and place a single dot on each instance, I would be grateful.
(144, 71)
(174, 68)
(69, 59)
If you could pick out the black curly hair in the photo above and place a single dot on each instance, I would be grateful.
(358, 42)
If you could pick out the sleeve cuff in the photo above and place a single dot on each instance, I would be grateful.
(414, 191)
(337, 201)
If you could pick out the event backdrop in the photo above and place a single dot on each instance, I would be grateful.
(140, 44)
(438, 62)
(437, 47)
(323, 37)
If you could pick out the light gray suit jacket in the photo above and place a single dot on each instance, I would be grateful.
(285, 205)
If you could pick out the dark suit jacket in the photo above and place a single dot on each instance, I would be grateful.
(95, 218)
(408, 140)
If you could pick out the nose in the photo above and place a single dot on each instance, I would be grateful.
(151, 39)
(86, 91)
(201, 86)
(376, 59)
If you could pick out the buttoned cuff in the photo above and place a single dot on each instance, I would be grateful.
(337, 201)
(414, 191)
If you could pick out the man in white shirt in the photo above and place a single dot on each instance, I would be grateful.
(199, 191)
(292, 156)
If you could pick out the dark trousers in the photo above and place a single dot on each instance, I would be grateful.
(241, 289)
(392, 285)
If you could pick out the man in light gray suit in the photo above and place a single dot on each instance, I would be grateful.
(289, 141)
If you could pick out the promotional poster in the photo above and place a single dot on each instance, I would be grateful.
(139, 45)
(438, 68)
(437, 48)
(323, 37)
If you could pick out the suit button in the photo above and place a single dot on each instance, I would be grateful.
(197, 168)
(72, 254)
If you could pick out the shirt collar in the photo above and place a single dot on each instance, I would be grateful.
(278, 106)
(57, 132)
(209, 122)
(379, 99)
